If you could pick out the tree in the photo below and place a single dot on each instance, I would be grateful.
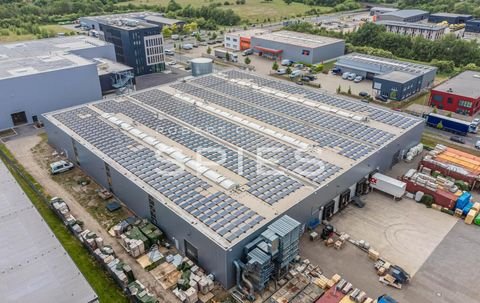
(339, 89)
(440, 125)
(349, 90)
(289, 70)
(173, 6)
(227, 56)
(209, 50)
(247, 61)
(288, 2)
(275, 65)
(167, 32)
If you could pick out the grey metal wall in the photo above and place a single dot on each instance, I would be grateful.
(404, 90)
(294, 52)
(428, 79)
(39, 93)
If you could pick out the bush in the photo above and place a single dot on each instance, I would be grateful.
(427, 200)
(461, 185)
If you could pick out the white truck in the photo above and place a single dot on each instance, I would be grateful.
(388, 185)
(222, 54)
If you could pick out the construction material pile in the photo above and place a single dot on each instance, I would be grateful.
(140, 294)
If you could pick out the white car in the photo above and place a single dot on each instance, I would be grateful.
(169, 52)
(345, 75)
(60, 167)
(476, 121)
(286, 62)
(358, 79)
(352, 76)
(281, 71)
(477, 144)
(172, 62)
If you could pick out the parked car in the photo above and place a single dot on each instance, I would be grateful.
(345, 75)
(169, 52)
(187, 46)
(477, 144)
(60, 167)
(295, 74)
(358, 79)
(457, 139)
(365, 100)
(298, 66)
(286, 62)
(281, 71)
(336, 71)
(203, 43)
(195, 45)
(351, 76)
(172, 62)
(299, 82)
(311, 77)
(363, 94)
(211, 42)
(381, 98)
(305, 79)
(175, 37)
(188, 67)
(247, 52)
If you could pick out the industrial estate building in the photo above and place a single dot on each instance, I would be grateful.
(32, 72)
(404, 15)
(412, 29)
(214, 160)
(138, 42)
(449, 17)
(472, 26)
(460, 94)
(375, 11)
(405, 78)
(34, 265)
(297, 46)
(239, 41)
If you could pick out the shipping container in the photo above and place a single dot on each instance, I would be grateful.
(449, 124)
(388, 185)
(331, 296)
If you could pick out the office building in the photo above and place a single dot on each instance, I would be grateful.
(241, 40)
(460, 94)
(412, 29)
(214, 160)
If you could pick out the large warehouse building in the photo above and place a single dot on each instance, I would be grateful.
(214, 159)
(408, 78)
(449, 17)
(404, 15)
(298, 47)
(44, 75)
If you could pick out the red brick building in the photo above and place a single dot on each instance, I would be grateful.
(461, 94)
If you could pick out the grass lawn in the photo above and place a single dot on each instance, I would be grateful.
(13, 37)
(430, 140)
(252, 10)
(106, 289)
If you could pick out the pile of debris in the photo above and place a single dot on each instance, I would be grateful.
(140, 294)
(193, 284)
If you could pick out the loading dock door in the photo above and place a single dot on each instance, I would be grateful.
(344, 199)
(328, 210)
(191, 252)
(19, 118)
(362, 187)
(370, 76)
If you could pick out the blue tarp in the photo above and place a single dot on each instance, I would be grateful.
(467, 208)
(463, 200)
(113, 206)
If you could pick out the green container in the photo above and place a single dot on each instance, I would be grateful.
(477, 220)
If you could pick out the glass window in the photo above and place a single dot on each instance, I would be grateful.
(463, 103)
(438, 98)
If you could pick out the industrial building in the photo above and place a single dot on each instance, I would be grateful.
(34, 265)
(213, 160)
(377, 10)
(412, 29)
(48, 74)
(472, 26)
(404, 15)
(459, 94)
(239, 41)
(449, 17)
(407, 79)
(138, 42)
(296, 46)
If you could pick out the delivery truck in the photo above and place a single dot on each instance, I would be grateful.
(388, 185)
(222, 54)
(450, 124)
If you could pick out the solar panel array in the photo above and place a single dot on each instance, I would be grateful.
(324, 137)
(181, 187)
(285, 156)
(241, 165)
(381, 115)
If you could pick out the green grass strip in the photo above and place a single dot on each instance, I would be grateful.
(106, 289)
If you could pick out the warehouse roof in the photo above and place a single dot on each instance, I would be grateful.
(406, 13)
(34, 266)
(298, 39)
(397, 76)
(466, 84)
(450, 15)
(381, 65)
(413, 25)
(289, 141)
(163, 20)
(383, 9)
(36, 56)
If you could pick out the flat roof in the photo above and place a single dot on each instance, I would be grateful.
(299, 39)
(106, 66)
(450, 15)
(406, 13)
(290, 141)
(465, 84)
(383, 64)
(249, 33)
(385, 9)
(34, 266)
(36, 56)
(135, 20)
(163, 20)
(432, 27)
(397, 76)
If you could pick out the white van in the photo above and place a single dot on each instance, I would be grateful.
(296, 73)
(60, 167)
(175, 37)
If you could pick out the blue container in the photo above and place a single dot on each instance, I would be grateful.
(467, 208)
(463, 200)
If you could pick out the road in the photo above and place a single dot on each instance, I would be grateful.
(20, 146)
(470, 139)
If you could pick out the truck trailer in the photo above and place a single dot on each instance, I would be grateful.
(388, 185)
(449, 124)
